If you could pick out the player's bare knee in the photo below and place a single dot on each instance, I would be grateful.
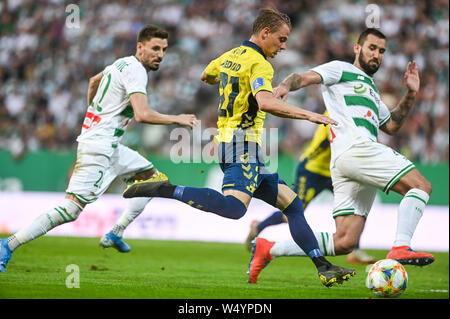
(427, 187)
(422, 184)
(343, 243)
(415, 179)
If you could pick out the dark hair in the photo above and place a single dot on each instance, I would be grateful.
(365, 33)
(271, 18)
(151, 31)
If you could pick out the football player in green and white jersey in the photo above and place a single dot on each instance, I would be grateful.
(359, 164)
(115, 97)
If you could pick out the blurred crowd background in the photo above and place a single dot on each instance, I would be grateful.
(45, 65)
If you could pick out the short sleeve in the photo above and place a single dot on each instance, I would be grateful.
(261, 78)
(134, 79)
(384, 114)
(330, 72)
(106, 70)
(213, 68)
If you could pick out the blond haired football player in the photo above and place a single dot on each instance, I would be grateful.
(115, 96)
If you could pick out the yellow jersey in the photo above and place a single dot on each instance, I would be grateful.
(243, 72)
(317, 155)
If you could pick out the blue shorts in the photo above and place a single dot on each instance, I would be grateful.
(308, 184)
(247, 173)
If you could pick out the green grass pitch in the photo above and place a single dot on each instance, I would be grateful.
(157, 269)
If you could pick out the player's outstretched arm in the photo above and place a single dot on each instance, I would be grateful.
(144, 114)
(94, 82)
(267, 102)
(296, 81)
(400, 112)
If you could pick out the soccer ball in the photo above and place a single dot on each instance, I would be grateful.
(387, 278)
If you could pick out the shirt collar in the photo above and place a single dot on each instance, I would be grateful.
(254, 46)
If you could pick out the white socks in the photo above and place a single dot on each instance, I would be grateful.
(68, 211)
(409, 213)
(290, 248)
(134, 209)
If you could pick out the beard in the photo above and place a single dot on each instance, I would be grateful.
(370, 70)
(151, 65)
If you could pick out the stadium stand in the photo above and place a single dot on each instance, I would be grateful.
(45, 66)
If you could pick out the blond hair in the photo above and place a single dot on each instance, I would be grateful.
(271, 18)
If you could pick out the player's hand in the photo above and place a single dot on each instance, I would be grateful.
(186, 120)
(210, 79)
(281, 91)
(411, 77)
(321, 119)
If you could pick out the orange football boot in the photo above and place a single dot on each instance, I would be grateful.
(406, 256)
(260, 258)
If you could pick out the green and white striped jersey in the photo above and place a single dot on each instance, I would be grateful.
(110, 111)
(353, 100)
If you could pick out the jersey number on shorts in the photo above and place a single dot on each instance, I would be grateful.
(234, 82)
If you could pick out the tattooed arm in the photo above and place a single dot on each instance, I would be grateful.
(400, 112)
(295, 81)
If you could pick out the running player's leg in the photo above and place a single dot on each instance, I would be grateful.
(232, 204)
(131, 166)
(240, 167)
(67, 211)
(136, 206)
(386, 169)
(292, 206)
(416, 191)
(89, 180)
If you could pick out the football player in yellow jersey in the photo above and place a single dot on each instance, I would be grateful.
(312, 177)
(245, 86)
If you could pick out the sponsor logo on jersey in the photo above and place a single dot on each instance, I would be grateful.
(91, 120)
(257, 83)
(359, 89)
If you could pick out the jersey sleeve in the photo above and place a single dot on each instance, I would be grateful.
(212, 69)
(261, 77)
(134, 79)
(106, 70)
(384, 114)
(330, 72)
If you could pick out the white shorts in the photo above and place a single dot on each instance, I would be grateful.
(97, 166)
(360, 171)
